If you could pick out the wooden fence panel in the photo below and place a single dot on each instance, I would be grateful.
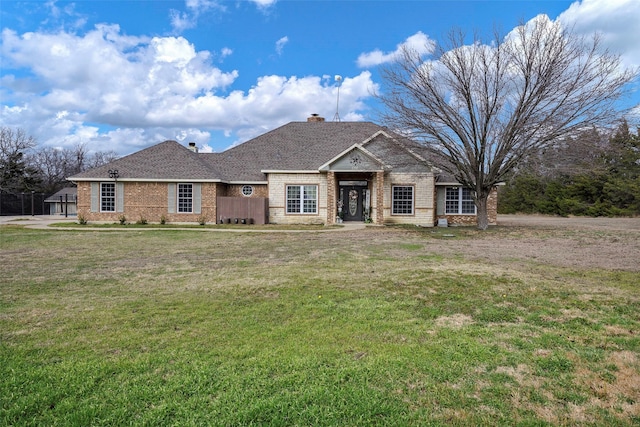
(253, 210)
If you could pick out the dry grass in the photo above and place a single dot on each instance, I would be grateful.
(518, 325)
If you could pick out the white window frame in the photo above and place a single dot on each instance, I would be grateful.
(399, 204)
(460, 197)
(106, 199)
(184, 201)
(247, 190)
(306, 197)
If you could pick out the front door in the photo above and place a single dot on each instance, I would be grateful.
(352, 198)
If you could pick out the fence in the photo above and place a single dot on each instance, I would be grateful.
(29, 203)
(251, 210)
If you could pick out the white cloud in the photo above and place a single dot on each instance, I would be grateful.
(419, 42)
(181, 21)
(280, 44)
(615, 20)
(264, 3)
(122, 93)
(64, 16)
(225, 52)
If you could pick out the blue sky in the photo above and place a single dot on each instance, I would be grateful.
(123, 75)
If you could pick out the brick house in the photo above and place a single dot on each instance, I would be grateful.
(312, 172)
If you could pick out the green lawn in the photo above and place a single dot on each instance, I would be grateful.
(374, 327)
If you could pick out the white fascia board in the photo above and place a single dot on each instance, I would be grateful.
(288, 171)
(409, 150)
(356, 171)
(74, 179)
(374, 157)
(375, 135)
(448, 184)
(248, 182)
(325, 166)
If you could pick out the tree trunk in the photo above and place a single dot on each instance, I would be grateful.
(481, 211)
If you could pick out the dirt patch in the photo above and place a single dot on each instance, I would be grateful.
(574, 222)
(605, 243)
(454, 321)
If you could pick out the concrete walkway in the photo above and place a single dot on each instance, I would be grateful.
(43, 222)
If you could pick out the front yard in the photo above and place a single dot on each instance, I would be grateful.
(519, 325)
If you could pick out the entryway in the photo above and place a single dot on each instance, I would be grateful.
(354, 198)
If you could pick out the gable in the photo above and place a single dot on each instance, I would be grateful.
(397, 155)
(296, 146)
(356, 159)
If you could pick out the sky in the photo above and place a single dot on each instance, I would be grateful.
(122, 75)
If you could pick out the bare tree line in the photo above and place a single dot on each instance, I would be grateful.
(24, 166)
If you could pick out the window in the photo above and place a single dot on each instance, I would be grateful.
(247, 190)
(185, 198)
(402, 200)
(108, 197)
(459, 201)
(302, 199)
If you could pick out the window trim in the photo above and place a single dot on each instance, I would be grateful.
(301, 200)
(459, 200)
(250, 188)
(394, 200)
(190, 199)
(103, 198)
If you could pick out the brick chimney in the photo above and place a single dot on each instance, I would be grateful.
(315, 118)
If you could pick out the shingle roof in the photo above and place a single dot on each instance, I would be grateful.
(69, 193)
(297, 146)
(167, 160)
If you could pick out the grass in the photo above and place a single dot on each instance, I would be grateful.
(143, 224)
(367, 328)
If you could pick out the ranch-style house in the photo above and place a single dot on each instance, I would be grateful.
(313, 172)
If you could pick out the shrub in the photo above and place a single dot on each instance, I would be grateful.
(82, 220)
(163, 220)
(122, 219)
(142, 221)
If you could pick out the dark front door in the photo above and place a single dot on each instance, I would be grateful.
(352, 197)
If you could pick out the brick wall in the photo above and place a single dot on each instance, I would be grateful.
(471, 220)
(378, 199)
(148, 201)
(235, 190)
(277, 198)
(424, 198)
(332, 188)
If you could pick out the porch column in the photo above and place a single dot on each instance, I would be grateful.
(331, 198)
(379, 197)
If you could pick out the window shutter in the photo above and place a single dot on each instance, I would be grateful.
(171, 198)
(95, 197)
(197, 198)
(440, 202)
(120, 197)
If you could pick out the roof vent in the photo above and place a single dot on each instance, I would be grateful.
(192, 147)
(315, 118)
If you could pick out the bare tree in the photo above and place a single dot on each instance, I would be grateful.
(486, 108)
(55, 165)
(99, 158)
(15, 172)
